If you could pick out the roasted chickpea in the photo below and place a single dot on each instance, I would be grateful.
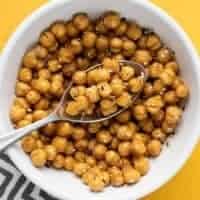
(124, 100)
(71, 108)
(42, 85)
(138, 147)
(112, 158)
(104, 89)
(25, 75)
(111, 20)
(28, 144)
(81, 145)
(136, 84)
(111, 64)
(89, 39)
(72, 31)
(33, 97)
(131, 175)
(170, 97)
(124, 132)
(124, 117)
(65, 55)
(134, 32)
(49, 129)
(39, 157)
(60, 31)
(143, 56)
(22, 89)
(81, 21)
(153, 42)
(117, 87)
(47, 40)
(39, 114)
(44, 74)
(127, 72)
(129, 48)
(43, 104)
(141, 164)
(116, 177)
(155, 69)
(17, 113)
(124, 149)
(51, 152)
(59, 161)
(76, 46)
(159, 134)
(30, 60)
(164, 55)
(64, 129)
(69, 163)
(116, 45)
(21, 102)
(102, 43)
(70, 149)
(172, 65)
(182, 91)
(99, 151)
(104, 137)
(40, 51)
(140, 112)
(92, 94)
(167, 76)
(173, 114)
(122, 28)
(80, 168)
(80, 77)
(154, 148)
(59, 143)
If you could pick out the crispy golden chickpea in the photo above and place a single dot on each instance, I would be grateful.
(164, 55)
(25, 75)
(89, 39)
(154, 148)
(59, 30)
(124, 117)
(134, 32)
(129, 48)
(47, 40)
(173, 114)
(158, 117)
(39, 144)
(116, 45)
(65, 55)
(70, 149)
(29, 117)
(40, 51)
(23, 123)
(127, 72)
(54, 65)
(91, 161)
(42, 85)
(177, 81)
(141, 164)
(148, 90)
(104, 137)
(72, 108)
(102, 43)
(64, 129)
(69, 69)
(99, 151)
(159, 134)
(59, 143)
(81, 21)
(131, 175)
(154, 104)
(22, 89)
(116, 177)
(104, 89)
(124, 100)
(92, 94)
(80, 77)
(59, 161)
(153, 42)
(111, 20)
(39, 114)
(117, 87)
(124, 149)
(122, 28)
(106, 104)
(51, 152)
(21, 102)
(80, 156)
(172, 65)
(81, 145)
(72, 31)
(167, 76)
(28, 144)
(112, 158)
(43, 104)
(111, 64)
(140, 112)
(155, 69)
(30, 60)
(158, 87)
(39, 157)
(76, 46)
(33, 97)
(78, 133)
(69, 163)
(44, 74)
(143, 57)
(138, 147)
(142, 42)
(170, 97)
(77, 91)
(96, 184)
(49, 129)
(17, 113)
(124, 132)
(82, 103)
(146, 125)
(136, 84)
(144, 138)
(182, 91)
(80, 168)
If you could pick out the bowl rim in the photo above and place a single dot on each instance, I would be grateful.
(171, 22)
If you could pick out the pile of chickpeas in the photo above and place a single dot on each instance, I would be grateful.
(104, 90)
(117, 151)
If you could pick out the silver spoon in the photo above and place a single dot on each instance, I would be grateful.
(59, 115)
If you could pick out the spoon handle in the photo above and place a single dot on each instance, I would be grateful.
(15, 135)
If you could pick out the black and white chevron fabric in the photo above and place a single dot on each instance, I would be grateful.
(14, 186)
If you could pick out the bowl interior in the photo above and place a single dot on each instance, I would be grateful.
(65, 185)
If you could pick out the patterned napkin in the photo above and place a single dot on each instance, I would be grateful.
(14, 186)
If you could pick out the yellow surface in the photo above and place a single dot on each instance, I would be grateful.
(185, 186)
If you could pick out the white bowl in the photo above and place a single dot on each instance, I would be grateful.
(64, 185)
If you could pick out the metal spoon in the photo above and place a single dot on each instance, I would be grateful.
(59, 115)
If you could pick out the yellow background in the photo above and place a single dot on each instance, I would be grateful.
(185, 185)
